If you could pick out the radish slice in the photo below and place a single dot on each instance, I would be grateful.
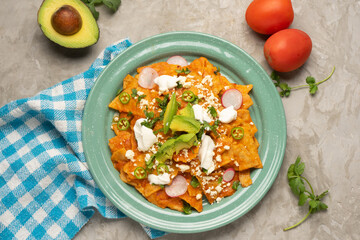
(146, 77)
(177, 187)
(232, 97)
(177, 60)
(229, 175)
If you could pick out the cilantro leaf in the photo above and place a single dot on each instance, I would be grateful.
(285, 89)
(194, 182)
(212, 111)
(186, 208)
(150, 119)
(134, 93)
(235, 185)
(297, 185)
(112, 4)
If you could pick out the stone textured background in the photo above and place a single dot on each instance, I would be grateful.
(323, 129)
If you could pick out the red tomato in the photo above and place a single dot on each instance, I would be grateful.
(287, 49)
(269, 16)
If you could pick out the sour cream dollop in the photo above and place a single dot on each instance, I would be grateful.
(166, 82)
(144, 136)
(206, 153)
(201, 114)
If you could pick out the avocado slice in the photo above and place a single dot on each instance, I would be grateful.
(170, 111)
(185, 141)
(166, 151)
(185, 124)
(68, 23)
(171, 146)
(187, 111)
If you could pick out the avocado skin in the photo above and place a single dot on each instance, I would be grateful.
(184, 124)
(172, 146)
(87, 36)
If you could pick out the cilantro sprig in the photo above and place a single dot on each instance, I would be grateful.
(297, 185)
(112, 4)
(187, 209)
(134, 94)
(285, 89)
(212, 111)
(150, 119)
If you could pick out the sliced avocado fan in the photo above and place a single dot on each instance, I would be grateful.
(68, 23)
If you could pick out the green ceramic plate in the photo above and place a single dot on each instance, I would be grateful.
(267, 113)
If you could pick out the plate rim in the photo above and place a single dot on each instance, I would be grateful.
(105, 189)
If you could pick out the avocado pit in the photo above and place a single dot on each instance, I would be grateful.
(66, 20)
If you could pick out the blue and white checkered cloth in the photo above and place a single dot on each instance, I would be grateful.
(46, 189)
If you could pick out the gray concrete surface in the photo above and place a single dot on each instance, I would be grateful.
(323, 129)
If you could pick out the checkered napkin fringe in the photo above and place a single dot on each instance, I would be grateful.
(46, 189)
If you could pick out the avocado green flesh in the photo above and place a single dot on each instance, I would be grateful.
(187, 111)
(185, 141)
(170, 111)
(172, 146)
(86, 36)
(184, 124)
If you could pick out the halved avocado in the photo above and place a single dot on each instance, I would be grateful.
(68, 23)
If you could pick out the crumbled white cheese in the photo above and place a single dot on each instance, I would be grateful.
(144, 136)
(218, 188)
(161, 179)
(198, 196)
(139, 93)
(166, 82)
(218, 158)
(143, 103)
(181, 80)
(207, 80)
(187, 85)
(159, 137)
(218, 199)
(153, 149)
(213, 193)
(206, 153)
(236, 163)
(130, 155)
(201, 114)
(228, 115)
(185, 153)
(147, 157)
(226, 147)
(183, 167)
